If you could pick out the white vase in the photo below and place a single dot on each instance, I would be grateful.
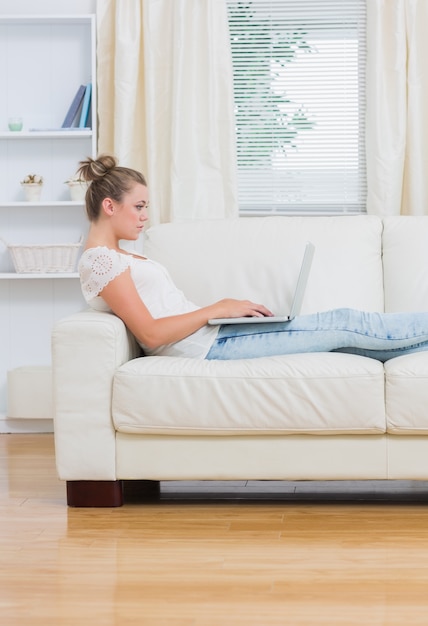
(77, 190)
(32, 192)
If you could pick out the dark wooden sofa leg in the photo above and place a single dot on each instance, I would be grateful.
(94, 493)
(110, 493)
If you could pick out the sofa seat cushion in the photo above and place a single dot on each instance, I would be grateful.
(407, 394)
(321, 393)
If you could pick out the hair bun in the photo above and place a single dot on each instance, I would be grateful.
(94, 169)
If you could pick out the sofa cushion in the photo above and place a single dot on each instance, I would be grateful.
(407, 394)
(259, 258)
(322, 393)
(405, 261)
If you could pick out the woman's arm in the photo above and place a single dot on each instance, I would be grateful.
(122, 297)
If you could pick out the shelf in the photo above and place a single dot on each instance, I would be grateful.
(35, 19)
(62, 49)
(30, 276)
(49, 203)
(46, 134)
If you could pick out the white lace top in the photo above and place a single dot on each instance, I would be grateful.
(98, 266)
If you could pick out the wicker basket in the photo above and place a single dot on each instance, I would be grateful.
(44, 258)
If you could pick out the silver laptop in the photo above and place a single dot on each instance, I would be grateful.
(296, 306)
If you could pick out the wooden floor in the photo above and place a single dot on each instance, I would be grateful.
(238, 554)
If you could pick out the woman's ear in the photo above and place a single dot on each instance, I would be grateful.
(107, 206)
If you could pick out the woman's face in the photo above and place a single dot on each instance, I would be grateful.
(130, 215)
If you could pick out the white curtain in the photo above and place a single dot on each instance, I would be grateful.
(165, 92)
(397, 105)
(120, 80)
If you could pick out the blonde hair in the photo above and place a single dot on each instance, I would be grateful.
(107, 180)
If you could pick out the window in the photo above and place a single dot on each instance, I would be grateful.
(299, 89)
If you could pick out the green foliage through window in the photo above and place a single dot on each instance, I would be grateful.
(268, 122)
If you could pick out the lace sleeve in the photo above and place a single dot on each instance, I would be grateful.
(99, 266)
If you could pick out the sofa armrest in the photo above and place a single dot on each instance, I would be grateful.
(87, 348)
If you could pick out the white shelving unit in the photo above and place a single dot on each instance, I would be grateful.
(44, 60)
(28, 205)
(22, 276)
(47, 134)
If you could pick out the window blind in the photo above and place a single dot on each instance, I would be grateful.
(299, 92)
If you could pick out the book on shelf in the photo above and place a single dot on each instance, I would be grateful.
(74, 107)
(84, 114)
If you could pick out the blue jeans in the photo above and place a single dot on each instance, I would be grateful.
(380, 336)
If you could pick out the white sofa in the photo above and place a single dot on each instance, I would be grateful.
(324, 416)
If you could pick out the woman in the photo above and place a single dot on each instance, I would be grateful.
(141, 292)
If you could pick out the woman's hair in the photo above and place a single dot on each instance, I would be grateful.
(108, 180)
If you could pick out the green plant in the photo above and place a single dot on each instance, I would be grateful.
(75, 179)
(267, 121)
(32, 179)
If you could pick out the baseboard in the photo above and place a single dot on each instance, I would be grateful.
(14, 425)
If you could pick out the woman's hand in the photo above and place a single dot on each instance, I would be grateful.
(239, 308)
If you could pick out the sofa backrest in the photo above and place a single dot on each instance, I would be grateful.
(405, 260)
(259, 259)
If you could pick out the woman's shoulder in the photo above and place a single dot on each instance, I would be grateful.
(95, 252)
(100, 257)
(101, 264)
(98, 266)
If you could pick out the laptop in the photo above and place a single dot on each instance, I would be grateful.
(297, 299)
